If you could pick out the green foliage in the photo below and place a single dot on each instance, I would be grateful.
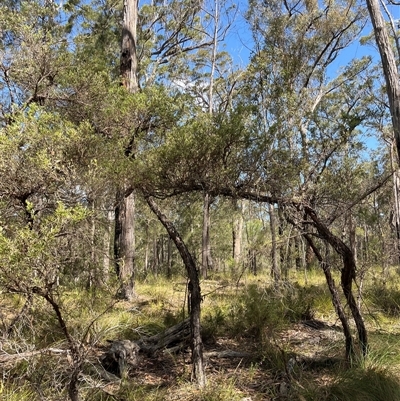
(261, 311)
(16, 393)
(255, 311)
(70, 135)
(219, 391)
(370, 384)
(304, 302)
(385, 298)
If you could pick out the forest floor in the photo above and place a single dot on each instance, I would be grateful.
(298, 352)
(260, 343)
(301, 358)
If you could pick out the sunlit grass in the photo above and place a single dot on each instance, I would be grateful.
(16, 393)
(245, 309)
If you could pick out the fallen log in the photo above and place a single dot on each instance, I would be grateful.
(123, 354)
(175, 337)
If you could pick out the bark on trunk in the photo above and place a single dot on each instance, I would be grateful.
(396, 208)
(206, 260)
(237, 230)
(348, 274)
(106, 246)
(169, 258)
(128, 61)
(124, 243)
(335, 297)
(276, 274)
(194, 293)
(389, 66)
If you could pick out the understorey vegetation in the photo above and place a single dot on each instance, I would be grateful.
(199, 200)
(260, 342)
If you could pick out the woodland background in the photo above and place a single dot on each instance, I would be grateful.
(150, 174)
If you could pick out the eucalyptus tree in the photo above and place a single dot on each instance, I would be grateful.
(307, 120)
(124, 233)
(388, 42)
(389, 65)
(155, 40)
(30, 30)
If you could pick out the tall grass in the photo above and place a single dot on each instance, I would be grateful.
(369, 384)
(253, 315)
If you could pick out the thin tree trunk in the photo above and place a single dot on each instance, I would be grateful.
(76, 351)
(169, 257)
(299, 254)
(237, 232)
(282, 257)
(353, 236)
(206, 260)
(334, 295)
(276, 274)
(309, 256)
(348, 274)
(396, 193)
(106, 246)
(93, 278)
(156, 259)
(194, 293)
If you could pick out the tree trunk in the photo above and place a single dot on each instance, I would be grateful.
(282, 256)
(299, 254)
(335, 296)
(128, 61)
(156, 259)
(353, 236)
(169, 258)
(396, 208)
(389, 66)
(396, 190)
(237, 232)
(206, 260)
(348, 274)
(93, 277)
(124, 243)
(106, 246)
(194, 293)
(276, 274)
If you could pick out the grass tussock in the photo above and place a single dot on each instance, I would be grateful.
(14, 393)
(258, 317)
(368, 384)
(385, 299)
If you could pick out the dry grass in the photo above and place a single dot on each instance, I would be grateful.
(286, 359)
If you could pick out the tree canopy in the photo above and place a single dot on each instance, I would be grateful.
(258, 164)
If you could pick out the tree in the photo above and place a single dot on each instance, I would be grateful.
(124, 233)
(389, 66)
(194, 293)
